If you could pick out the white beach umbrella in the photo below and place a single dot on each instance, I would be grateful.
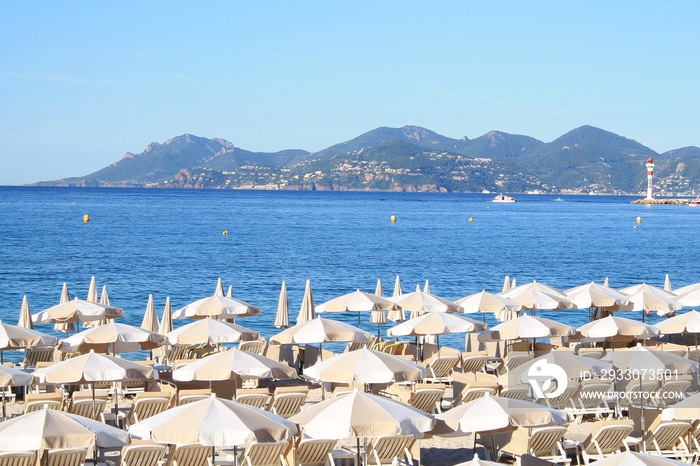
(219, 290)
(538, 286)
(641, 358)
(488, 302)
(210, 331)
(77, 310)
(527, 327)
(436, 323)
(593, 295)
(92, 291)
(52, 429)
(113, 337)
(229, 291)
(378, 290)
(647, 299)
(685, 410)
(150, 317)
(320, 330)
(307, 310)
(398, 314)
(166, 323)
(93, 367)
(421, 302)
(25, 317)
(13, 337)
(66, 327)
(688, 322)
(216, 307)
(426, 287)
(690, 298)
(357, 301)
(536, 300)
(667, 284)
(282, 316)
(11, 377)
(367, 367)
(104, 297)
(686, 289)
(234, 362)
(613, 326)
(506, 285)
(575, 367)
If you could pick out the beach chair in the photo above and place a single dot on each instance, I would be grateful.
(591, 400)
(667, 439)
(542, 442)
(255, 347)
(474, 362)
(694, 354)
(87, 408)
(313, 452)
(636, 392)
(18, 458)
(257, 397)
(606, 439)
(514, 359)
(694, 438)
(593, 353)
(563, 401)
(440, 369)
(190, 455)
(33, 356)
(672, 391)
(427, 399)
(36, 401)
(469, 394)
(514, 392)
(381, 451)
(287, 401)
(64, 457)
(146, 454)
(190, 396)
(265, 454)
(145, 405)
(356, 345)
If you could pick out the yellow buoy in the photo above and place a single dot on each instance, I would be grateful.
(225, 233)
(393, 219)
(471, 219)
(86, 218)
(634, 226)
(639, 219)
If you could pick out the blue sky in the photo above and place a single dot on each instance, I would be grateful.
(83, 82)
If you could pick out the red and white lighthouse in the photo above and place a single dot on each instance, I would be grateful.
(650, 178)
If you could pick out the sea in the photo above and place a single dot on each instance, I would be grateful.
(172, 243)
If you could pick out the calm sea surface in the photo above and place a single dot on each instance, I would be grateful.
(170, 243)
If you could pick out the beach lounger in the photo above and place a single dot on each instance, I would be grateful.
(356, 345)
(591, 400)
(88, 408)
(190, 455)
(514, 392)
(672, 391)
(474, 362)
(606, 439)
(37, 401)
(542, 442)
(563, 401)
(667, 439)
(147, 454)
(381, 451)
(426, 397)
(190, 396)
(265, 454)
(145, 405)
(313, 452)
(287, 401)
(255, 347)
(33, 356)
(64, 457)
(636, 393)
(440, 369)
(18, 458)
(257, 397)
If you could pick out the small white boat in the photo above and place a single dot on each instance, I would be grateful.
(694, 202)
(502, 198)
(559, 199)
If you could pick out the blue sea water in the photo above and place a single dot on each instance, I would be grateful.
(170, 243)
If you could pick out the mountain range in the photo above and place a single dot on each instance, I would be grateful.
(411, 158)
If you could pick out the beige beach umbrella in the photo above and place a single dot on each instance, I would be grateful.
(92, 291)
(421, 303)
(688, 322)
(166, 323)
(488, 302)
(506, 285)
(150, 317)
(282, 316)
(641, 358)
(575, 367)
(229, 291)
(398, 314)
(527, 327)
(493, 413)
(593, 295)
(307, 310)
(210, 331)
(104, 296)
(426, 287)
(216, 307)
(685, 410)
(219, 290)
(25, 317)
(77, 310)
(667, 284)
(647, 299)
(360, 414)
(113, 337)
(214, 422)
(65, 327)
(536, 300)
(513, 283)
(231, 363)
(104, 299)
(13, 337)
(11, 377)
(320, 330)
(690, 298)
(539, 286)
(357, 301)
(606, 282)
(631, 458)
(53, 429)
(685, 289)
(379, 290)
(436, 323)
(93, 367)
(613, 326)
(367, 367)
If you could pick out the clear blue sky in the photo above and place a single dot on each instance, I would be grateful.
(83, 82)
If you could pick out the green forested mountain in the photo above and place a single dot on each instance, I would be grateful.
(410, 158)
